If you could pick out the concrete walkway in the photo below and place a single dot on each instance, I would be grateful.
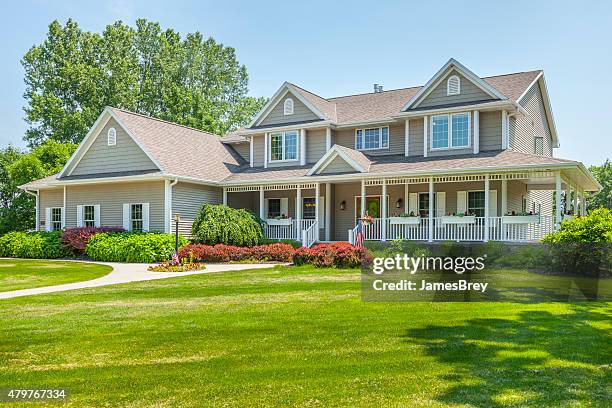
(123, 273)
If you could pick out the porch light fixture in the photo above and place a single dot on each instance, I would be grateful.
(343, 205)
(398, 203)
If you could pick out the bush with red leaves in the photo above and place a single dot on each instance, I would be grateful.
(278, 252)
(338, 254)
(76, 239)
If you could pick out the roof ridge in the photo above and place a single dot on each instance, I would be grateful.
(306, 90)
(164, 121)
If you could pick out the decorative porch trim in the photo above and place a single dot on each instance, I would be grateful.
(270, 187)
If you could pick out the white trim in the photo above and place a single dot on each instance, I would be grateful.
(407, 137)
(450, 132)
(168, 184)
(328, 213)
(450, 92)
(251, 160)
(504, 129)
(298, 146)
(331, 155)
(425, 133)
(328, 139)
(380, 140)
(439, 76)
(288, 107)
(301, 148)
(476, 118)
(279, 94)
(111, 137)
(265, 150)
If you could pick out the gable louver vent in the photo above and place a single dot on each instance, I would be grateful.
(453, 86)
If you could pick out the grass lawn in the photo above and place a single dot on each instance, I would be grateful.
(301, 336)
(24, 273)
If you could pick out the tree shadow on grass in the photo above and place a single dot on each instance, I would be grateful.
(537, 359)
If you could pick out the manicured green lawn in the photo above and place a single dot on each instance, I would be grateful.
(300, 336)
(24, 273)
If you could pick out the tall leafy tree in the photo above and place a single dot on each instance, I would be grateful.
(73, 74)
(602, 198)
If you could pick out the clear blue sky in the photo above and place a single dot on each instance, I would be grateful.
(337, 48)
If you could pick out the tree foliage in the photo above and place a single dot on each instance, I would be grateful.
(602, 198)
(73, 74)
(219, 224)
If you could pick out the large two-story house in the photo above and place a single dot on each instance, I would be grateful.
(461, 158)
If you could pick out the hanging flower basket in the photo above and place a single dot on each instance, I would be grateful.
(367, 219)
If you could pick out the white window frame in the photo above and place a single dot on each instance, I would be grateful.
(93, 220)
(141, 219)
(315, 211)
(111, 137)
(280, 208)
(380, 140)
(358, 197)
(61, 211)
(288, 107)
(449, 117)
(448, 89)
(297, 147)
(535, 145)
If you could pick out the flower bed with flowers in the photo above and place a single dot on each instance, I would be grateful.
(177, 265)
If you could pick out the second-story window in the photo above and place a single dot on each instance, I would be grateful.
(373, 138)
(283, 146)
(538, 147)
(450, 131)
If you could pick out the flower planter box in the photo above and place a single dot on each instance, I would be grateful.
(455, 219)
(405, 220)
(282, 221)
(521, 219)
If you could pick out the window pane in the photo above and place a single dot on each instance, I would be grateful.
(439, 131)
(424, 204)
(539, 145)
(359, 139)
(372, 140)
(461, 129)
(476, 202)
(56, 219)
(385, 137)
(276, 146)
(290, 145)
(136, 215)
(308, 208)
(274, 209)
(88, 216)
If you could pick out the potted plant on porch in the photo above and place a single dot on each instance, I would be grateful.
(459, 218)
(521, 218)
(367, 219)
(405, 219)
(279, 220)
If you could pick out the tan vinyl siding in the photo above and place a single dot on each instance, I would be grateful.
(125, 156)
(416, 137)
(490, 131)
(346, 137)
(258, 150)
(338, 165)
(112, 196)
(49, 199)
(523, 129)
(300, 112)
(243, 149)
(187, 199)
(469, 93)
(315, 145)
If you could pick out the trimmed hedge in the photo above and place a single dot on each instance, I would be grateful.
(219, 224)
(141, 247)
(338, 254)
(227, 253)
(41, 245)
(76, 239)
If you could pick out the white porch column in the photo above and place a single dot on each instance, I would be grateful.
(328, 203)
(225, 196)
(317, 204)
(302, 147)
(430, 228)
(558, 200)
(476, 132)
(406, 198)
(504, 125)
(425, 123)
(583, 204)
(567, 198)
(504, 205)
(383, 212)
(575, 200)
(328, 143)
(251, 151)
(407, 137)
(486, 209)
(363, 198)
(265, 150)
(298, 212)
(262, 203)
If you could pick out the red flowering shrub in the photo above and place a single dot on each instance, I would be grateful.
(77, 239)
(338, 254)
(225, 253)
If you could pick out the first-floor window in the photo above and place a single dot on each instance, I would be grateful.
(476, 203)
(56, 219)
(89, 216)
(374, 138)
(283, 145)
(424, 204)
(309, 209)
(274, 207)
(136, 219)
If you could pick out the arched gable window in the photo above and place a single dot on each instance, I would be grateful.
(453, 86)
(112, 137)
(288, 106)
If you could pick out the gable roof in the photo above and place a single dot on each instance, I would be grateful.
(355, 159)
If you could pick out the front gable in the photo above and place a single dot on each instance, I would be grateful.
(277, 116)
(471, 88)
(337, 165)
(339, 160)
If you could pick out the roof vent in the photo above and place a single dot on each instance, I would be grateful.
(378, 88)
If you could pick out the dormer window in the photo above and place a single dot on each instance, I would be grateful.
(453, 86)
(111, 137)
(288, 106)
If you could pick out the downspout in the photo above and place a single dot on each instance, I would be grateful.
(35, 194)
(169, 205)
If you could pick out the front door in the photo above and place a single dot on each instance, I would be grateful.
(372, 207)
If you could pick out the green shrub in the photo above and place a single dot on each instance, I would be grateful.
(595, 227)
(293, 243)
(132, 247)
(40, 245)
(219, 224)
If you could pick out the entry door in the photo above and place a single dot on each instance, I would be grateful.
(372, 207)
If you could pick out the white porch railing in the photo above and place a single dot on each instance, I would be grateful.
(498, 231)
(287, 231)
(310, 235)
